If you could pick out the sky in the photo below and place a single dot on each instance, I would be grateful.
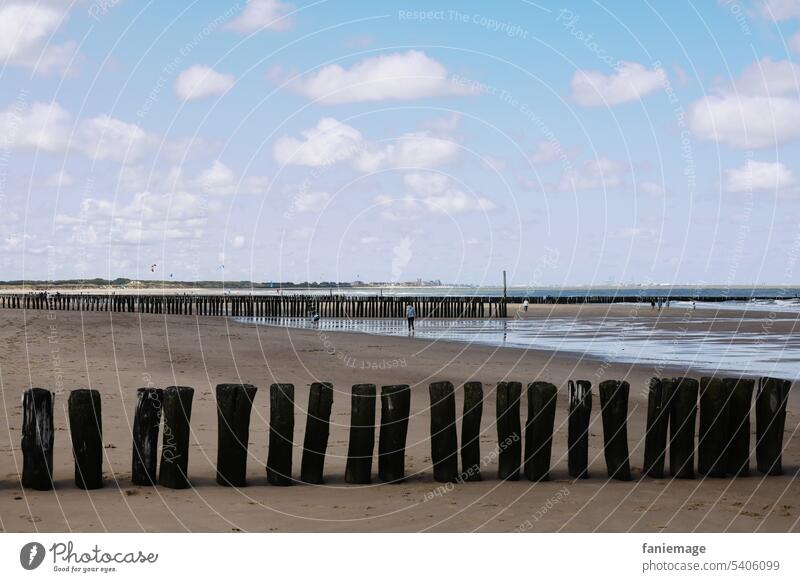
(569, 143)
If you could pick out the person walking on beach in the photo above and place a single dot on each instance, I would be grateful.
(525, 306)
(411, 313)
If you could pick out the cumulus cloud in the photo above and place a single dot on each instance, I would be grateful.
(433, 193)
(216, 180)
(630, 82)
(311, 201)
(329, 142)
(408, 75)
(770, 78)
(25, 30)
(594, 174)
(261, 15)
(779, 10)
(201, 81)
(238, 242)
(651, 189)
(60, 179)
(758, 176)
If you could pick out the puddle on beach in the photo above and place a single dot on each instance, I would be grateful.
(617, 339)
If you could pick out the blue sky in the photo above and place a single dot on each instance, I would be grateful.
(568, 143)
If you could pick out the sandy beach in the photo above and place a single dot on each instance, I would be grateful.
(118, 353)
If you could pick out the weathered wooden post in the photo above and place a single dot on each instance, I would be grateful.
(471, 431)
(509, 430)
(614, 409)
(234, 404)
(37, 439)
(683, 413)
(580, 413)
(539, 430)
(395, 409)
(771, 399)
(281, 432)
(362, 435)
(444, 437)
(146, 421)
(320, 402)
(174, 470)
(713, 438)
(655, 440)
(738, 451)
(86, 431)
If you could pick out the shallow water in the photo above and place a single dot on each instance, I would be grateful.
(616, 339)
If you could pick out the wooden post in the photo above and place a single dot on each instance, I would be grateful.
(509, 430)
(580, 413)
(655, 440)
(395, 409)
(174, 470)
(683, 413)
(444, 438)
(713, 438)
(146, 422)
(37, 439)
(614, 408)
(471, 431)
(86, 431)
(320, 402)
(281, 433)
(362, 435)
(234, 404)
(770, 421)
(738, 451)
(539, 430)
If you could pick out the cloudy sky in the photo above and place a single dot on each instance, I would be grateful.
(569, 143)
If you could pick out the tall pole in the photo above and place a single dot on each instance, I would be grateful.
(505, 288)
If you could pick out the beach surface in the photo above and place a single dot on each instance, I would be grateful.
(117, 353)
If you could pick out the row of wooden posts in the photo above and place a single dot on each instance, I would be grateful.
(723, 446)
(263, 305)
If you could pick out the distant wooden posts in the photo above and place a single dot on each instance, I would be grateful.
(655, 440)
(86, 432)
(509, 430)
(315, 443)
(539, 430)
(37, 439)
(395, 410)
(174, 469)
(578, 420)
(713, 438)
(444, 437)
(682, 420)
(234, 404)
(471, 432)
(738, 451)
(146, 422)
(770, 421)
(614, 409)
(281, 433)
(362, 435)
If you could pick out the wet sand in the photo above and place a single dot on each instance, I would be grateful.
(117, 353)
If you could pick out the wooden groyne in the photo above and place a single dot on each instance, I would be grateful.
(722, 442)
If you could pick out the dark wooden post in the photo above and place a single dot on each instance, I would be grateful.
(580, 413)
(281, 433)
(471, 432)
(770, 421)
(37, 439)
(395, 409)
(444, 437)
(683, 413)
(234, 404)
(509, 430)
(713, 439)
(146, 421)
(320, 402)
(362, 435)
(86, 431)
(655, 440)
(174, 470)
(738, 451)
(539, 430)
(614, 408)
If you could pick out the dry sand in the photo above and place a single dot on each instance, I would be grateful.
(117, 353)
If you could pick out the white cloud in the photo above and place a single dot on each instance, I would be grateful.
(25, 31)
(758, 176)
(594, 174)
(631, 82)
(201, 81)
(327, 143)
(238, 242)
(311, 201)
(262, 15)
(780, 9)
(418, 149)
(769, 78)
(60, 179)
(409, 75)
(651, 189)
(216, 180)
(434, 193)
(794, 43)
